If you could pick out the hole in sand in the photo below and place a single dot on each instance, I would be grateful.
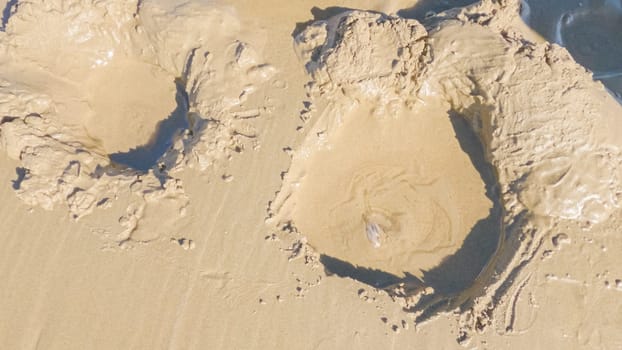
(401, 197)
(138, 109)
(591, 31)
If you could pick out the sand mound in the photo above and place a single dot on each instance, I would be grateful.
(377, 199)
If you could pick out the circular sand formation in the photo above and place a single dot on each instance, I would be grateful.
(96, 96)
(391, 193)
(590, 30)
(388, 202)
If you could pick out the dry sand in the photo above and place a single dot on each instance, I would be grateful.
(319, 175)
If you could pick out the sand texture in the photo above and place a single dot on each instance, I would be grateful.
(315, 175)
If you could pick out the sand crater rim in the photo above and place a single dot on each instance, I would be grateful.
(137, 110)
(402, 203)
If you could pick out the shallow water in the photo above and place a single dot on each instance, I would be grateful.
(591, 30)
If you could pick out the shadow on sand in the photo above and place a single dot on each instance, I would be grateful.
(456, 272)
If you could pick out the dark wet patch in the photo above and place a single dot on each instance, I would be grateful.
(146, 157)
(426, 8)
(10, 7)
(590, 30)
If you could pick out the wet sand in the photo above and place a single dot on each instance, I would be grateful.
(360, 175)
(591, 30)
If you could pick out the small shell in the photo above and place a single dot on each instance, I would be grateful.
(373, 232)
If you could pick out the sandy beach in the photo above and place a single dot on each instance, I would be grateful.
(312, 175)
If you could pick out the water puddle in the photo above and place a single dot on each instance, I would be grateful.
(591, 30)
(427, 8)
